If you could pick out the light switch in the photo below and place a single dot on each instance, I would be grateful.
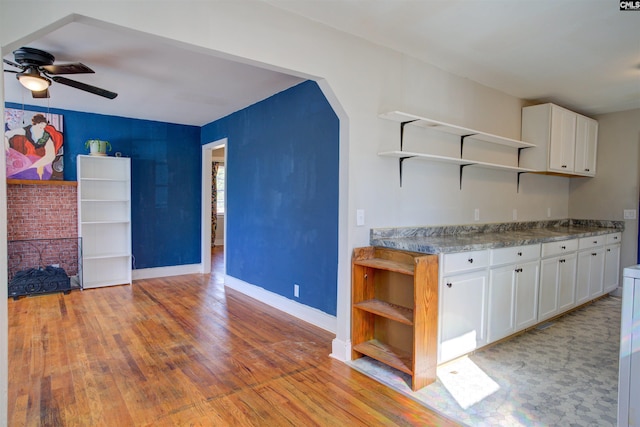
(629, 214)
(360, 217)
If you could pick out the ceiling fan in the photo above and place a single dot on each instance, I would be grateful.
(38, 70)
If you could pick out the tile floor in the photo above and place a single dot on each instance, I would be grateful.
(565, 374)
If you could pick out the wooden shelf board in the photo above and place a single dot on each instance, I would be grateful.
(105, 256)
(104, 180)
(390, 311)
(400, 117)
(41, 182)
(105, 200)
(113, 221)
(385, 264)
(454, 160)
(386, 354)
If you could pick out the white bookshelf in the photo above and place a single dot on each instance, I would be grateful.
(104, 219)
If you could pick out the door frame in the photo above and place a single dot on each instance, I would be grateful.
(205, 238)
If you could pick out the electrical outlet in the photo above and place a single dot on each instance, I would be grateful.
(629, 214)
(296, 291)
(548, 212)
(515, 214)
(476, 214)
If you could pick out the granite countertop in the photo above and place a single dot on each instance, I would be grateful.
(460, 238)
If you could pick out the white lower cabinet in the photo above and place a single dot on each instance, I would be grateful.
(590, 279)
(612, 263)
(513, 299)
(590, 263)
(487, 295)
(557, 278)
(462, 325)
(501, 303)
(596, 273)
(567, 282)
(527, 285)
(590, 275)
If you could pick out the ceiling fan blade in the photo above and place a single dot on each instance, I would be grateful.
(13, 64)
(72, 68)
(11, 71)
(40, 94)
(83, 86)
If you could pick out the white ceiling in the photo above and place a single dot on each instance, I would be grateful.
(583, 54)
(155, 79)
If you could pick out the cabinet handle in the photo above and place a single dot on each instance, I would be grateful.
(595, 242)
(563, 260)
(518, 270)
(608, 250)
(594, 254)
(519, 253)
(564, 166)
(449, 285)
(615, 238)
(470, 260)
(563, 247)
(586, 170)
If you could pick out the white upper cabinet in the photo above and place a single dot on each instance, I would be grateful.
(566, 142)
(586, 146)
(562, 141)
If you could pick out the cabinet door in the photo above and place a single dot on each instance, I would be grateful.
(586, 145)
(611, 267)
(590, 274)
(549, 281)
(462, 314)
(567, 282)
(526, 309)
(582, 277)
(563, 140)
(501, 302)
(596, 273)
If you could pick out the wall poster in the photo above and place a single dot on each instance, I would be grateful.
(33, 144)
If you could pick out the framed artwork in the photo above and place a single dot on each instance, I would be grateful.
(33, 145)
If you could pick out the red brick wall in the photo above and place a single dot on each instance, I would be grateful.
(37, 211)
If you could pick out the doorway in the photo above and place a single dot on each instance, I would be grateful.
(206, 242)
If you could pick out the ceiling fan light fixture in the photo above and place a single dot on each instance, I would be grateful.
(33, 81)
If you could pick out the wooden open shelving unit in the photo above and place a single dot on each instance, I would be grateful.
(395, 310)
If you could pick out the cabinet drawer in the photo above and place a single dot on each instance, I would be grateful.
(613, 238)
(514, 254)
(559, 248)
(464, 261)
(591, 242)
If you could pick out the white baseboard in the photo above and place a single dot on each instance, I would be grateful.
(301, 311)
(174, 270)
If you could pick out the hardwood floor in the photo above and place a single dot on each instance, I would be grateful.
(184, 351)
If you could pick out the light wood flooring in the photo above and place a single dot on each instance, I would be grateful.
(180, 351)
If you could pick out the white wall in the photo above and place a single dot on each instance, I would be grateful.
(615, 186)
(365, 80)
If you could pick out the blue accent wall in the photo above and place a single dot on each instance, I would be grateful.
(282, 194)
(165, 180)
